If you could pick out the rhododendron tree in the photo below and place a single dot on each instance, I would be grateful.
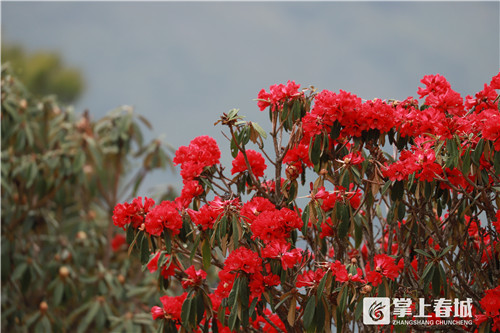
(401, 201)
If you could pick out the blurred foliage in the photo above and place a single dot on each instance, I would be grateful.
(61, 177)
(44, 73)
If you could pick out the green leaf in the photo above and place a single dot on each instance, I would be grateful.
(344, 217)
(260, 130)
(322, 283)
(335, 131)
(309, 312)
(319, 316)
(428, 272)
(168, 241)
(233, 113)
(206, 253)
(145, 249)
(58, 293)
(43, 325)
(436, 282)
(305, 219)
(466, 163)
(401, 211)
(478, 152)
(446, 250)
(236, 234)
(186, 312)
(397, 190)
(130, 234)
(89, 317)
(315, 149)
(234, 148)
(422, 252)
(496, 162)
(358, 231)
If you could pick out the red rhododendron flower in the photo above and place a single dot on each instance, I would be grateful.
(278, 93)
(309, 278)
(254, 207)
(202, 152)
(262, 325)
(298, 156)
(133, 213)
(243, 260)
(168, 268)
(205, 217)
(257, 163)
(491, 306)
(190, 190)
(289, 259)
(275, 225)
(385, 266)
(275, 249)
(496, 223)
(326, 228)
(118, 242)
(172, 307)
(339, 271)
(354, 158)
(194, 277)
(164, 216)
(421, 161)
(226, 281)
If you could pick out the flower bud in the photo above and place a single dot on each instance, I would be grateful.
(23, 104)
(366, 289)
(292, 172)
(43, 307)
(81, 235)
(63, 272)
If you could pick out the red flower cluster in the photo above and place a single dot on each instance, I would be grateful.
(309, 278)
(202, 152)
(205, 217)
(194, 277)
(339, 271)
(255, 159)
(167, 270)
(421, 160)
(254, 207)
(172, 308)
(491, 306)
(277, 95)
(385, 266)
(133, 213)
(262, 325)
(190, 190)
(280, 250)
(118, 242)
(245, 261)
(298, 157)
(163, 216)
(275, 225)
(440, 95)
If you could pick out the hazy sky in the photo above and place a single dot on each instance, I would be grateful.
(181, 64)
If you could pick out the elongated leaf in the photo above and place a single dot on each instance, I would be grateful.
(89, 317)
(206, 253)
(309, 312)
(478, 152)
(145, 249)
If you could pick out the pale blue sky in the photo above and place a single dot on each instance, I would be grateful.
(181, 64)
